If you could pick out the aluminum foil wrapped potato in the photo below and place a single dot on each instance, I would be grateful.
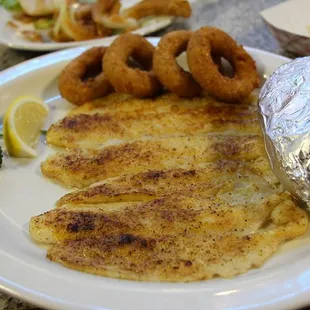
(284, 106)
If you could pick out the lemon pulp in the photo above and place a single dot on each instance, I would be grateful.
(22, 123)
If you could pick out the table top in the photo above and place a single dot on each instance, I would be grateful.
(239, 18)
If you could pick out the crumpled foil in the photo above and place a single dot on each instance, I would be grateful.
(284, 106)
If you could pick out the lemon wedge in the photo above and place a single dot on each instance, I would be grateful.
(23, 121)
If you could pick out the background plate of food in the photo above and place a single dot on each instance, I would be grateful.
(185, 214)
(46, 25)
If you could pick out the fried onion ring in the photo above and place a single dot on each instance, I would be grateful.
(210, 41)
(166, 68)
(72, 83)
(180, 8)
(124, 78)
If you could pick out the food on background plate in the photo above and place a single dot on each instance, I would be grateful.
(171, 189)
(145, 8)
(11, 5)
(22, 125)
(80, 81)
(32, 36)
(37, 7)
(68, 27)
(73, 20)
(107, 13)
(129, 80)
(133, 66)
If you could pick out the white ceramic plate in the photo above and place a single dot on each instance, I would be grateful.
(282, 283)
(12, 37)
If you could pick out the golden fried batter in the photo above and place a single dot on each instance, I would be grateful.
(124, 78)
(166, 68)
(208, 42)
(72, 83)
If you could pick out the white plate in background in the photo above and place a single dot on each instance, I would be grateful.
(12, 36)
(282, 283)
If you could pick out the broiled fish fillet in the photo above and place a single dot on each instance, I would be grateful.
(169, 102)
(152, 184)
(93, 125)
(191, 198)
(83, 167)
(195, 211)
(172, 238)
(182, 258)
(154, 198)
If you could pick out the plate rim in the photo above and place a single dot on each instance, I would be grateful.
(13, 289)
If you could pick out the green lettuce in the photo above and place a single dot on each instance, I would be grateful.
(11, 5)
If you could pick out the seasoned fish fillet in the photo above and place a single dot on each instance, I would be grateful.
(192, 209)
(120, 102)
(182, 258)
(172, 190)
(93, 125)
(83, 167)
(146, 186)
(155, 198)
(210, 235)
